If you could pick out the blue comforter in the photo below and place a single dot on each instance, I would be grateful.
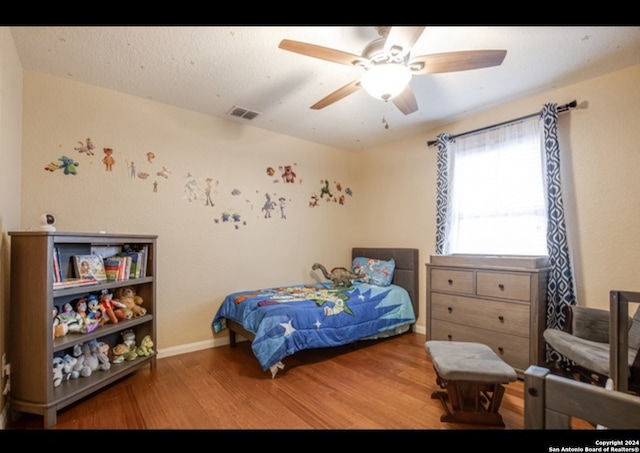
(292, 318)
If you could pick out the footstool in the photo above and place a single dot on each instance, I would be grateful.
(472, 375)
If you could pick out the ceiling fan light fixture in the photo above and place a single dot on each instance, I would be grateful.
(386, 81)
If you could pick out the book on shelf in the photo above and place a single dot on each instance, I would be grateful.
(57, 274)
(140, 251)
(117, 268)
(71, 282)
(90, 266)
(135, 258)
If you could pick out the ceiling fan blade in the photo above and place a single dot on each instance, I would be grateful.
(324, 53)
(456, 61)
(406, 101)
(340, 93)
(403, 38)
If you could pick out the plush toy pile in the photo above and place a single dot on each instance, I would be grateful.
(91, 312)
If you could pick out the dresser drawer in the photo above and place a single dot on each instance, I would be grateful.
(504, 317)
(512, 349)
(450, 280)
(504, 285)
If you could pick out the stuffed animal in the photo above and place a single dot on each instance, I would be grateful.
(340, 276)
(95, 310)
(132, 302)
(129, 340)
(58, 365)
(71, 318)
(112, 310)
(146, 346)
(67, 369)
(118, 353)
(88, 322)
(60, 328)
(90, 358)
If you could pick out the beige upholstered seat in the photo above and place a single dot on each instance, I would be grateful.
(585, 341)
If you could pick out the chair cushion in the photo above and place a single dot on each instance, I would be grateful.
(588, 354)
(468, 361)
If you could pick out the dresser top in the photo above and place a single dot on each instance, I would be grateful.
(520, 261)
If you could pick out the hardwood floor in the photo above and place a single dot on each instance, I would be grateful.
(373, 385)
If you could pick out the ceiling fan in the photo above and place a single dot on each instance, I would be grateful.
(389, 65)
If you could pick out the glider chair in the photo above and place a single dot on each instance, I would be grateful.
(600, 344)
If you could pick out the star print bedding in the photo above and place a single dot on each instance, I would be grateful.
(288, 319)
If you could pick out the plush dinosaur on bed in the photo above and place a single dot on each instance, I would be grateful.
(340, 276)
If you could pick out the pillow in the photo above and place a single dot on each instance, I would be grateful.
(380, 272)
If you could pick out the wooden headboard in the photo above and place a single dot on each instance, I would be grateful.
(407, 273)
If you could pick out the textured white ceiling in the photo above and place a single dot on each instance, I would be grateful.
(211, 69)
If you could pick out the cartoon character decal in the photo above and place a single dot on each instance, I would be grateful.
(108, 159)
(68, 165)
(85, 148)
(288, 176)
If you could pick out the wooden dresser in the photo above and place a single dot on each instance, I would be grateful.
(495, 300)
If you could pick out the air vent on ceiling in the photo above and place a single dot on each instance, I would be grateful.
(241, 112)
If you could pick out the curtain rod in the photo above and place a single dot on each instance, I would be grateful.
(561, 109)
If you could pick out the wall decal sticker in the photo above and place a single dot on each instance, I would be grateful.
(69, 166)
(288, 175)
(207, 193)
(282, 202)
(313, 202)
(164, 173)
(191, 189)
(268, 206)
(324, 190)
(108, 159)
(86, 148)
(150, 157)
(52, 166)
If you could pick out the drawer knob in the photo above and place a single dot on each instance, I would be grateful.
(450, 337)
(450, 309)
(501, 318)
(501, 350)
(501, 286)
(450, 281)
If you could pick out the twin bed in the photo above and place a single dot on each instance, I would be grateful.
(280, 321)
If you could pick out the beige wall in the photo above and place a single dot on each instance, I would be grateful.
(199, 260)
(600, 167)
(393, 203)
(10, 173)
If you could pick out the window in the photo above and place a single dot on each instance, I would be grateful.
(497, 196)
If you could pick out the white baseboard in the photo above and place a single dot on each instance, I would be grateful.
(198, 346)
(214, 343)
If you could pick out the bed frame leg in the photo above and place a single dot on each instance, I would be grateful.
(232, 339)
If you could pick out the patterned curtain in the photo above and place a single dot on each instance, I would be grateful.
(560, 286)
(442, 195)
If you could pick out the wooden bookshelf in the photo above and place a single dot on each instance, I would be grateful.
(32, 346)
